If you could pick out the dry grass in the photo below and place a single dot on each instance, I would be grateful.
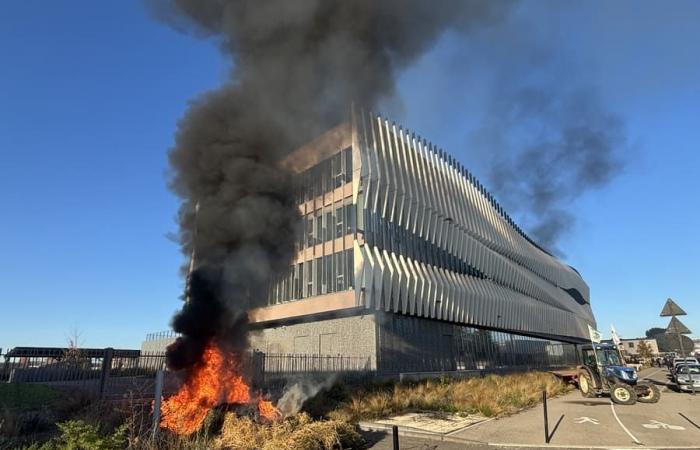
(344, 404)
(493, 395)
(299, 432)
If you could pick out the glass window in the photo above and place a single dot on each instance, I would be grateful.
(338, 215)
(350, 268)
(295, 282)
(339, 272)
(318, 230)
(348, 164)
(309, 280)
(309, 230)
(329, 226)
(330, 273)
(307, 185)
(337, 169)
(324, 275)
(318, 268)
(349, 218)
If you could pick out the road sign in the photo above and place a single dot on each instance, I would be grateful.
(671, 309)
(675, 326)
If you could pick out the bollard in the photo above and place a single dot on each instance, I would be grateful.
(106, 368)
(395, 435)
(546, 418)
(156, 401)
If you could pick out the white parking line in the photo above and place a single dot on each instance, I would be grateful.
(612, 406)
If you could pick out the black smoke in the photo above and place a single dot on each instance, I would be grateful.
(548, 148)
(547, 134)
(297, 67)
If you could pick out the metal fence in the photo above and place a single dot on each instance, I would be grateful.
(159, 335)
(104, 373)
(112, 374)
(270, 365)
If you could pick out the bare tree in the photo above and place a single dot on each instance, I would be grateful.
(644, 350)
(73, 354)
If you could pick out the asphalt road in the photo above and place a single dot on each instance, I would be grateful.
(578, 422)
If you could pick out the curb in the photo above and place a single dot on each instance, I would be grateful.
(379, 427)
(414, 433)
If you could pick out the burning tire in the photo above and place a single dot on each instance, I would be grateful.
(585, 384)
(648, 392)
(623, 394)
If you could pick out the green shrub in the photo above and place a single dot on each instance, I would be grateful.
(79, 435)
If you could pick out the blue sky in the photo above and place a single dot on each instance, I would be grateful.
(90, 93)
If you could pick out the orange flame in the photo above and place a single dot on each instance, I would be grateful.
(214, 380)
(268, 411)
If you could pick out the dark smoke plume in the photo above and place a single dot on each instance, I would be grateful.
(546, 135)
(297, 66)
(548, 147)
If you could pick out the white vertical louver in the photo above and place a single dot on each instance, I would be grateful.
(461, 259)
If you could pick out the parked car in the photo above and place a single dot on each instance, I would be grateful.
(688, 359)
(682, 361)
(687, 376)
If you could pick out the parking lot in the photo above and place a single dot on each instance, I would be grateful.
(673, 422)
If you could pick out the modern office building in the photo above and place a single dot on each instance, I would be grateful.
(405, 258)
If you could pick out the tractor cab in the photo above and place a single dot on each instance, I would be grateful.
(605, 360)
(604, 372)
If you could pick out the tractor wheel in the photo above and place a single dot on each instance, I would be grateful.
(623, 394)
(650, 393)
(585, 384)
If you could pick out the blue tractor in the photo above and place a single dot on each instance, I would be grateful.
(604, 372)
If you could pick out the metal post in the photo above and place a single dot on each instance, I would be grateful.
(106, 367)
(157, 400)
(546, 417)
(395, 435)
(690, 376)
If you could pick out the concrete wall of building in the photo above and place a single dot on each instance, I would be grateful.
(347, 336)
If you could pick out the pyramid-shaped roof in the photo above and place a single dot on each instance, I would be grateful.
(677, 327)
(671, 309)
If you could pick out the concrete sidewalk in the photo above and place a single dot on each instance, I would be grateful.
(578, 422)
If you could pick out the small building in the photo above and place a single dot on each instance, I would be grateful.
(631, 346)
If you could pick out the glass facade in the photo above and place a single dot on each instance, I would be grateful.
(325, 237)
(412, 344)
(436, 250)
(324, 177)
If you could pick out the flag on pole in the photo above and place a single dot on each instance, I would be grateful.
(615, 336)
(595, 335)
